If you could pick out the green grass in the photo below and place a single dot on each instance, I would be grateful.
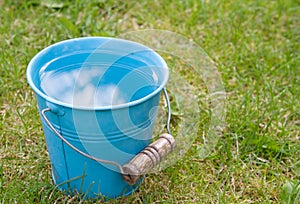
(256, 45)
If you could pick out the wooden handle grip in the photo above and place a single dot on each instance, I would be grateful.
(148, 158)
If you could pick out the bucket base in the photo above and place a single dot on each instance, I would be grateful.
(70, 191)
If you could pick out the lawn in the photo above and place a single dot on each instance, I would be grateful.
(256, 48)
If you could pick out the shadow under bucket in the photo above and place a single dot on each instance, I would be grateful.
(101, 96)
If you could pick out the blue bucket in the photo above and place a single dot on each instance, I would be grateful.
(98, 97)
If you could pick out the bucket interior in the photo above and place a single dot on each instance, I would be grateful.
(97, 73)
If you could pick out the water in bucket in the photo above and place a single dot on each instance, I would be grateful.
(102, 95)
(87, 86)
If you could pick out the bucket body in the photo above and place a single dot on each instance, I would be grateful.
(103, 94)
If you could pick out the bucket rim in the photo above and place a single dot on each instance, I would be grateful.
(106, 107)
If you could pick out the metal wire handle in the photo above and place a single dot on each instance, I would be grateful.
(94, 158)
(169, 111)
